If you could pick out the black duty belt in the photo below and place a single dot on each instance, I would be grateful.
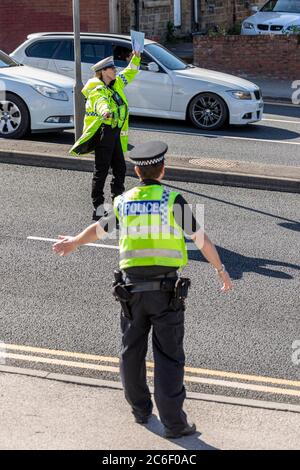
(167, 285)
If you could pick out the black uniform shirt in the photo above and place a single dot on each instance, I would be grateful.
(184, 217)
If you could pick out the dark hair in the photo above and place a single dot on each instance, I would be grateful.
(151, 171)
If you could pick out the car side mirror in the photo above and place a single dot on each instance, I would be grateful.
(153, 67)
(254, 9)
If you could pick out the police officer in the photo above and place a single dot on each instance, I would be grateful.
(152, 250)
(106, 127)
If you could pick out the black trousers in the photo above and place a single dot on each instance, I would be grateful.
(152, 309)
(108, 154)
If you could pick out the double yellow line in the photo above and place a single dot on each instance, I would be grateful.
(110, 364)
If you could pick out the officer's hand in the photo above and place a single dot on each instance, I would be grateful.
(65, 246)
(136, 53)
(106, 115)
(225, 278)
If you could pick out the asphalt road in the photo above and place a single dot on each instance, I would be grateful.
(65, 303)
(275, 140)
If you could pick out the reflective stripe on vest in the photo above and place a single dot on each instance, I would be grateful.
(92, 114)
(151, 253)
(134, 67)
(123, 78)
(149, 230)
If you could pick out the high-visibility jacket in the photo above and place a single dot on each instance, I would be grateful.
(100, 101)
(149, 234)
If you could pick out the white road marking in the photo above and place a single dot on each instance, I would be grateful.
(97, 245)
(280, 120)
(226, 137)
(289, 105)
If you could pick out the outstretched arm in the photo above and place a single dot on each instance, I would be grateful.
(128, 74)
(67, 244)
(209, 251)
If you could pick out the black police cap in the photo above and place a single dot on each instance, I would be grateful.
(149, 153)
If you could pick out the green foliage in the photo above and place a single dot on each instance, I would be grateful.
(235, 30)
(295, 30)
(170, 36)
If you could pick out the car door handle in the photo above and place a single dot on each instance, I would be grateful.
(66, 68)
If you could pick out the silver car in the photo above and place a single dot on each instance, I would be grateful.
(275, 17)
(165, 87)
(32, 99)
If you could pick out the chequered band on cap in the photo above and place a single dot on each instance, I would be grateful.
(153, 161)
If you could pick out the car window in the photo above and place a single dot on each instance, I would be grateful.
(65, 51)
(286, 6)
(165, 57)
(92, 52)
(145, 60)
(122, 55)
(42, 49)
(7, 61)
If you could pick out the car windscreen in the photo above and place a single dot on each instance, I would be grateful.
(282, 6)
(165, 57)
(6, 61)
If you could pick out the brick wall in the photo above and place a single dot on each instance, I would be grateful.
(276, 57)
(154, 16)
(19, 18)
(226, 12)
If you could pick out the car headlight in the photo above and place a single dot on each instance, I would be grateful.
(248, 25)
(51, 92)
(240, 95)
(295, 28)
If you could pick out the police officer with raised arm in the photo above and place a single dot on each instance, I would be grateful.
(151, 291)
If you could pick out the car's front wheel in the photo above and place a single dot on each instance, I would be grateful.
(208, 111)
(14, 117)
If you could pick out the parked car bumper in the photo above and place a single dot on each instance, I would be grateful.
(245, 111)
(256, 32)
(47, 114)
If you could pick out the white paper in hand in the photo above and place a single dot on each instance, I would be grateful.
(137, 40)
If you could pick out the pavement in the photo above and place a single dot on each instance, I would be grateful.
(45, 411)
(206, 171)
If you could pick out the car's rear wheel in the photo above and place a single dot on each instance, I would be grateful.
(208, 111)
(14, 117)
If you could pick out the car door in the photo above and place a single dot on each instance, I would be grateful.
(149, 90)
(40, 54)
(92, 51)
(63, 58)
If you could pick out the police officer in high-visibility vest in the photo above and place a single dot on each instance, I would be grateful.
(106, 127)
(149, 287)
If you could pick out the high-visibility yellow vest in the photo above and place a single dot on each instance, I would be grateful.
(99, 101)
(149, 234)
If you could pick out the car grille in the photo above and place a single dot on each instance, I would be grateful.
(276, 28)
(263, 27)
(257, 94)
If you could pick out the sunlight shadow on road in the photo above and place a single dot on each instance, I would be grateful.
(237, 264)
(189, 442)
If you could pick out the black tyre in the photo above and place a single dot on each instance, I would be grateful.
(208, 111)
(14, 117)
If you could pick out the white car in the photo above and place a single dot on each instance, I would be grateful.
(165, 87)
(32, 99)
(275, 17)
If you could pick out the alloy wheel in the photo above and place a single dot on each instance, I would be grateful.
(10, 117)
(208, 111)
